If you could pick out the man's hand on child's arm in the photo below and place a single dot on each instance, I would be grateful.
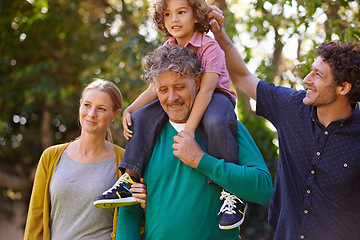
(192, 133)
(187, 149)
(126, 121)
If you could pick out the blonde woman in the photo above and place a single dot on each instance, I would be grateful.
(69, 176)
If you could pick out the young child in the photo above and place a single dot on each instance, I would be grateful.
(185, 23)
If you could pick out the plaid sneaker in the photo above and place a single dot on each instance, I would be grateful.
(119, 195)
(232, 212)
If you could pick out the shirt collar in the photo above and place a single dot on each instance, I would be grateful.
(336, 122)
(178, 126)
(356, 113)
(195, 40)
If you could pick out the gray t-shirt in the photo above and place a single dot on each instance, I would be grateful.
(73, 189)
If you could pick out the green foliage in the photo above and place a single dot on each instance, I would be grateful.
(49, 51)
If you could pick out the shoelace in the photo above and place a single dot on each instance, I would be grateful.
(229, 203)
(116, 185)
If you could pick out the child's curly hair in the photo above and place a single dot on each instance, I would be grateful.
(199, 8)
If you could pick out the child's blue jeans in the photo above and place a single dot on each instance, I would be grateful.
(218, 130)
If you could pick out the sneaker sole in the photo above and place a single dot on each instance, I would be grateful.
(114, 203)
(227, 227)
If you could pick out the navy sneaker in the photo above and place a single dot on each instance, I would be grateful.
(232, 212)
(119, 195)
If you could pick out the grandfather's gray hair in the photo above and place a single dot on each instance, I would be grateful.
(170, 57)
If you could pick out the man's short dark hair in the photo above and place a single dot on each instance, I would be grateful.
(344, 60)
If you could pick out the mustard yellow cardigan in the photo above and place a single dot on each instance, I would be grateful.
(37, 222)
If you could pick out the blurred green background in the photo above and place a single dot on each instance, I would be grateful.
(49, 50)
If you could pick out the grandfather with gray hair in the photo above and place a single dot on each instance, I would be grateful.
(181, 204)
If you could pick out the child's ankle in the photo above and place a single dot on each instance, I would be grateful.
(132, 173)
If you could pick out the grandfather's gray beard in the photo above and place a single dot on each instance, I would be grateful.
(182, 118)
(187, 113)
